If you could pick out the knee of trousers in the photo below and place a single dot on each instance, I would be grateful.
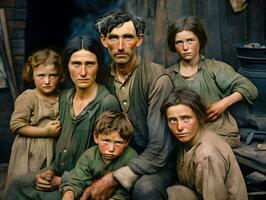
(145, 185)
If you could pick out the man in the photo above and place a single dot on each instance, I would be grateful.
(141, 87)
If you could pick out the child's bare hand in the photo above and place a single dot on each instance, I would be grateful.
(53, 128)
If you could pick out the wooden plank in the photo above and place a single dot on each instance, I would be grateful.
(7, 56)
(160, 32)
(255, 21)
(7, 3)
(248, 155)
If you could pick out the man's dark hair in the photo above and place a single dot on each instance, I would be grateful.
(190, 23)
(117, 18)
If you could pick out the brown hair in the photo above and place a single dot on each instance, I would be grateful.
(43, 57)
(189, 23)
(114, 121)
(188, 98)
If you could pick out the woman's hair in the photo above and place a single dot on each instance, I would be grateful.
(188, 98)
(114, 121)
(87, 43)
(189, 23)
(43, 57)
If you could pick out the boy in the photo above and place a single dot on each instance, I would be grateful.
(112, 134)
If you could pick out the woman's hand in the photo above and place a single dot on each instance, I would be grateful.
(46, 180)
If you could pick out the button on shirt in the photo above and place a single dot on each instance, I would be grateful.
(122, 89)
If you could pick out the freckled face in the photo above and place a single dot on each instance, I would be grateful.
(46, 78)
(183, 123)
(111, 145)
(187, 45)
(83, 67)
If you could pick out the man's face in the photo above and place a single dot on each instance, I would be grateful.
(122, 42)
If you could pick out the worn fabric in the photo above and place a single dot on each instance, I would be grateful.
(214, 81)
(153, 186)
(238, 5)
(31, 154)
(75, 138)
(151, 137)
(180, 192)
(122, 89)
(210, 169)
(23, 188)
(91, 166)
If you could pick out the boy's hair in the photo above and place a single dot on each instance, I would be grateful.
(114, 121)
(117, 18)
(189, 23)
(43, 57)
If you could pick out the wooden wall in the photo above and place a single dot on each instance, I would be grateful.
(224, 27)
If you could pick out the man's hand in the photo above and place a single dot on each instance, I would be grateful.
(101, 189)
(46, 180)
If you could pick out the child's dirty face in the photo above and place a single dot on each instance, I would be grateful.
(110, 145)
(46, 78)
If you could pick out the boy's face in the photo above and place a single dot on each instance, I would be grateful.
(110, 145)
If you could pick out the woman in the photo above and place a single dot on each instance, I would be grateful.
(216, 82)
(206, 165)
(79, 107)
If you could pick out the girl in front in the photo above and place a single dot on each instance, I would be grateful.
(35, 118)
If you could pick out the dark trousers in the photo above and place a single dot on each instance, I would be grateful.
(154, 186)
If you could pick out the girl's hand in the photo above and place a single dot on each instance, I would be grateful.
(216, 109)
(53, 128)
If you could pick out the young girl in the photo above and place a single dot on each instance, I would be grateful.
(35, 117)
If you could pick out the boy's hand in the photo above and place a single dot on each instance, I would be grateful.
(68, 195)
(102, 189)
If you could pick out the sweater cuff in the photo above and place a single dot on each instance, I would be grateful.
(126, 177)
